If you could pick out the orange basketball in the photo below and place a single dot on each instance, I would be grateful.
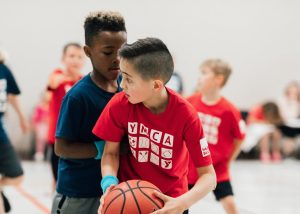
(132, 197)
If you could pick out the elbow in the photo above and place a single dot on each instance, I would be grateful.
(58, 148)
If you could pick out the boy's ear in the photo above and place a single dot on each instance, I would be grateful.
(220, 80)
(158, 84)
(87, 51)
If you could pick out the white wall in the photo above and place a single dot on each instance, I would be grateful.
(259, 38)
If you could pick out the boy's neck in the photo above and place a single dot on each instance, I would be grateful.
(158, 102)
(212, 97)
(109, 86)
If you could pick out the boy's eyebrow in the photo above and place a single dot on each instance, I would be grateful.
(126, 73)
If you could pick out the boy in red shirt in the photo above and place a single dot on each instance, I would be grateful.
(222, 125)
(163, 130)
(60, 82)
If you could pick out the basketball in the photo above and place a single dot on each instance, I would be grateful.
(132, 197)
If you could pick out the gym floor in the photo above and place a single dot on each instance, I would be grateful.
(259, 189)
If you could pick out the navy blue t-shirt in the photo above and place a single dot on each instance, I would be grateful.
(8, 85)
(79, 112)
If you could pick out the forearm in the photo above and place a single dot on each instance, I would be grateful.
(75, 150)
(205, 184)
(109, 165)
(236, 150)
(14, 101)
(110, 162)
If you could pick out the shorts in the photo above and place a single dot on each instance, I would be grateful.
(288, 131)
(10, 165)
(66, 205)
(223, 190)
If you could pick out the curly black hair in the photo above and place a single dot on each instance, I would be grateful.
(99, 21)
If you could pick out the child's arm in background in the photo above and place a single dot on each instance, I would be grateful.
(55, 80)
(14, 101)
(236, 150)
(205, 183)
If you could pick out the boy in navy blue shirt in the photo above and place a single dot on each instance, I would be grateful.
(78, 185)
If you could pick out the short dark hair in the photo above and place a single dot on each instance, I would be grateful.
(71, 44)
(99, 21)
(150, 57)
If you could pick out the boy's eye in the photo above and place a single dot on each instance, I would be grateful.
(107, 53)
(128, 80)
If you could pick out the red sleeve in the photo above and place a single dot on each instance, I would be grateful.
(196, 142)
(111, 123)
(256, 114)
(238, 125)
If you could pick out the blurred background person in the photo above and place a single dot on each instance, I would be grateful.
(40, 121)
(263, 121)
(11, 172)
(60, 82)
(289, 106)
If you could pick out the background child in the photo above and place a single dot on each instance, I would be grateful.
(145, 111)
(78, 186)
(40, 121)
(222, 125)
(11, 172)
(263, 121)
(289, 106)
(60, 81)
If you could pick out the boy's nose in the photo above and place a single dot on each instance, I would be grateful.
(116, 61)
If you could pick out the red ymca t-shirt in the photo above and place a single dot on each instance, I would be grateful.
(55, 103)
(160, 144)
(222, 124)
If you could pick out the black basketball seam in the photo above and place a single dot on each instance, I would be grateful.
(148, 195)
(133, 189)
(124, 196)
(136, 202)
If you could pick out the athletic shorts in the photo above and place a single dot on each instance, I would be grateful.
(223, 190)
(66, 205)
(10, 165)
(288, 131)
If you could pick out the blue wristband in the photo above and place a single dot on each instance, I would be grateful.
(100, 148)
(107, 181)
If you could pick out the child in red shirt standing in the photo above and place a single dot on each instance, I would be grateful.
(163, 130)
(222, 125)
(60, 82)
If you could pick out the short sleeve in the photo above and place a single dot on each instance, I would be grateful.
(196, 142)
(12, 86)
(69, 120)
(110, 125)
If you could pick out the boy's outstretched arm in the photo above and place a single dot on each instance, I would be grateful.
(109, 169)
(69, 149)
(205, 183)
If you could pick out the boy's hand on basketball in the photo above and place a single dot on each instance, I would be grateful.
(172, 205)
(103, 197)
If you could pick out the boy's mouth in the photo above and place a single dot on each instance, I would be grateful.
(115, 69)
